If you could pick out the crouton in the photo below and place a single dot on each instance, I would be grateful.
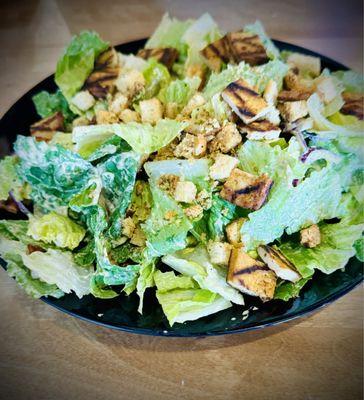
(138, 238)
(83, 100)
(246, 190)
(311, 236)
(80, 121)
(199, 146)
(168, 182)
(233, 233)
(204, 199)
(226, 139)
(171, 110)
(259, 130)
(130, 83)
(185, 192)
(128, 227)
(271, 92)
(219, 252)
(191, 146)
(248, 47)
(293, 110)
(106, 117)
(305, 63)
(118, 104)
(278, 263)
(197, 100)
(245, 101)
(354, 105)
(326, 89)
(194, 211)
(293, 81)
(166, 56)
(128, 115)
(222, 167)
(151, 111)
(250, 276)
(45, 129)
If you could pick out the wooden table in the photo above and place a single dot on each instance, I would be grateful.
(47, 355)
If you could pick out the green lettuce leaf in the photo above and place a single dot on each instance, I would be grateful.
(127, 252)
(63, 139)
(145, 281)
(9, 180)
(47, 104)
(195, 262)
(289, 290)
(183, 305)
(166, 281)
(85, 256)
(332, 254)
(179, 91)
(77, 62)
(57, 229)
(156, 78)
(352, 81)
(359, 249)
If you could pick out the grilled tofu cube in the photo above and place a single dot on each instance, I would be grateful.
(246, 190)
(197, 100)
(311, 236)
(354, 105)
(83, 100)
(185, 192)
(305, 63)
(129, 116)
(250, 276)
(219, 252)
(278, 263)
(259, 130)
(106, 117)
(326, 89)
(248, 47)
(217, 53)
(245, 101)
(166, 56)
(293, 95)
(273, 116)
(130, 82)
(222, 167)
(233, 233)
(271, 92)
(293, 81)
(226, 139)
(151, 111)
(45, 129)
(293, 110)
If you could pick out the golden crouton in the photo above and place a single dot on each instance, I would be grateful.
(244, 101)
(311, 236)
(246, 190)
(222, 167)
(219, 252)
(106, 117)
(233, 233)
(194, 211)
(128, 227)
(250, 276)
(118, 103)
(326, 89)
(138, 238)
(305, 63)
(226, 139)
(83, 100)
(185, 192)
(168, 182)
(128, 115)
(130, 83)
(151, 111)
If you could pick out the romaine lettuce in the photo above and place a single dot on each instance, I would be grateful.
(47, 104)
(9, 180)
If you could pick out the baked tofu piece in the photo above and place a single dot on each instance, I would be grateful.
(293, 95)
(250, 276)
(246, 190)
(278, 263)
(166, 55)
(217, 53)
(219, 252)
(248, 47)
(185, 192)
(354, 105)
(259, 130)
(45, 129)
(151, 111)
(222, 167)
(305, 63)
(118, 103)
(233, 233)
(271, 92)
(326, 89)
(244, 101)
(293, 110)
(226, 139)
(302, 124)
(311, 236)
(83, 100)
(293, 81)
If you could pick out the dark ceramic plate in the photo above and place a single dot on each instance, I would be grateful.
(121, 313)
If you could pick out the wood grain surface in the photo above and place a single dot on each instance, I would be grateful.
(45, 354)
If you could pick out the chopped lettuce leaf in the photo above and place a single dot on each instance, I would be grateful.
(195, 262)
(85, 256)
(359, 249)
(289, 290)
(125, 252)
(166, 281)
(145, 281)
(156, 78)
(258, 29)
(145, 138)
(77, 62)
(141, 201)
(63, 139)
(352, 81)
(179, 91)
(57, 229)
(47, 104)
(9, 180)
(183, 305)
(274, 70)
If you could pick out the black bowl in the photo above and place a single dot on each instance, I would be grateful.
(121, 313)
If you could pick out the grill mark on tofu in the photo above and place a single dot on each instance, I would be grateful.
(44, 129)
(247, 47)
(293, 95)
(166, 55)
(247, 190)
(251, 269)
(258, 126)
(354, 105)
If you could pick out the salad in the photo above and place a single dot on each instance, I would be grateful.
(209, 167)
